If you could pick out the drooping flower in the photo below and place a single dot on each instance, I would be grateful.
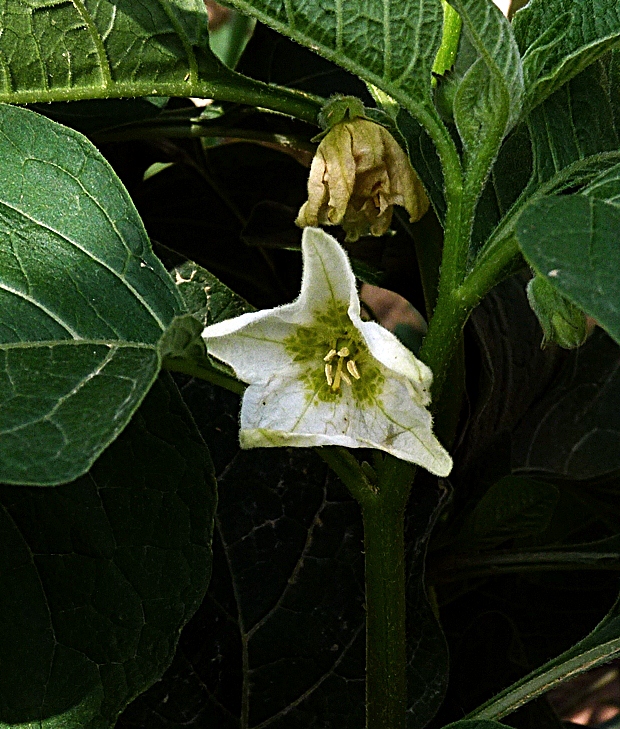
(358, 174)
(319, 375)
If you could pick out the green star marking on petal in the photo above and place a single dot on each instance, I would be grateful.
(335, 356)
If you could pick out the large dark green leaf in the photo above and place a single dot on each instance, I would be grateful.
(559, 38)
(98, 576)
(83, 302)
(392, 44)
(573, 242)
(279, 640)
(100, 49)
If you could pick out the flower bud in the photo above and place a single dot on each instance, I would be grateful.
(562, 322)
(358, 174)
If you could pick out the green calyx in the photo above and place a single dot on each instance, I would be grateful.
(334, 359)
(562, 322)
(340, 109)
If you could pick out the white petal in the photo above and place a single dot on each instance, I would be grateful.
(252, 344)
(327, 278)
(278, 413)
(385, 347)
(400, 426)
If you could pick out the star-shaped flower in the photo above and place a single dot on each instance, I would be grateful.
(319, 375)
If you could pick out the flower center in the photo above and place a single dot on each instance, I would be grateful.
(343, 364)
(330, 352)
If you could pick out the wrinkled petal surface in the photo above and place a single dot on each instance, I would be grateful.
(284, 354)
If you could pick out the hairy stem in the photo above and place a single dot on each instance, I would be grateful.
(386, 659)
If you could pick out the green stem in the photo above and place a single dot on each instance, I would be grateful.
(226, 86)
(383, 509)
(442, 339)
(386, 657)
(498, 262)
(210, 374)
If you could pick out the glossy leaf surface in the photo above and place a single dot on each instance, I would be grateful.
(83, 302)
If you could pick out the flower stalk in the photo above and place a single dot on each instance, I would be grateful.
(386, 657)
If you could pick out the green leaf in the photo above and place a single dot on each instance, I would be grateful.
(599, 647)
(209, 301)
(498, 69)
(573, 431)
(575, 123)
(83, 302)
(391, 44)
(101, 49)
(572, 242)
(205, 296)
(97, 577)
(281, 631)
(559, 38)
(514, 507)
(605, 186)
(573, 138)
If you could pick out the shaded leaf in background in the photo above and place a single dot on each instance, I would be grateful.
(98, 576)
(475, 724)
(559, 38)
(201, 216)
(574, 431)
(573, 139)
(573, 124)
(514, 372)
(512, 508)
(274, 58)
(509, 177)
(83, 302)
(97, 115)
(279, 640)
(599, 647)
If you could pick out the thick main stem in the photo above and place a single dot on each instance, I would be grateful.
(386, 657)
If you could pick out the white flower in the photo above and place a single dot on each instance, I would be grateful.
(319, 375)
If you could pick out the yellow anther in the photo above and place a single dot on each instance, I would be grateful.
(328, 374)
(338, 376)
(344, 352)
(352, 367)
(330, 355)
(345, 378)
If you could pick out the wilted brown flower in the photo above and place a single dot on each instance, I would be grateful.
(358, 174)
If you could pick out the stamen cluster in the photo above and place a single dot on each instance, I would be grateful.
(343, 354)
